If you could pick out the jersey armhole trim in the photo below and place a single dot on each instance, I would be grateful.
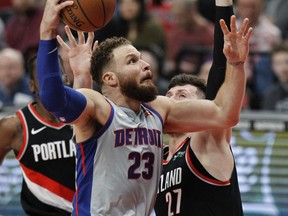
(200, 175)
(25, 134)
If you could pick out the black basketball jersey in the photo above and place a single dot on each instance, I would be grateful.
(187, 189)
(47, 160)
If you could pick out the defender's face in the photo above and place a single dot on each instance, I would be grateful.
(183, 93)
(134, 74)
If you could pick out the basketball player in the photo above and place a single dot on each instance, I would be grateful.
(46, 154)
(119, 132)
(44, 148)
(199, 175)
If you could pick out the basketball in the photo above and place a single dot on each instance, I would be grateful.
(88, 15)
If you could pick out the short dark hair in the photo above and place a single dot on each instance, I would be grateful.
(189, 79)
(31, 67)
(280, 47)
(102, 56)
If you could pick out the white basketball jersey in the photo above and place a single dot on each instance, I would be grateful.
(119, 168)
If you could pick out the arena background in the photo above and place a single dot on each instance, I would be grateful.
(260, 146)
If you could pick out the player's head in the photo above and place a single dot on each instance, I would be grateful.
(132, 10)
(251, 9)
(184, 11)
(11, 67)
(186, 87)
(118, 64)
(31, 69)
(279, 57)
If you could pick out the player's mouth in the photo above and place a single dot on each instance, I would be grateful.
(148, 78)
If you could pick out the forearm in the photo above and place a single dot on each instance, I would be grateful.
(83, 81)
(55, 97)
(47, 33)
(51, 87)
(231, 93)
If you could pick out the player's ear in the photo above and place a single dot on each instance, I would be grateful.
(32, 86)
(110, 79)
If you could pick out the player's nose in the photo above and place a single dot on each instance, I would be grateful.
(145, 65)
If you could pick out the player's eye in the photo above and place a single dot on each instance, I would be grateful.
(132, 61)
(182, 96)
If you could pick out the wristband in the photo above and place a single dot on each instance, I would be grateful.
(236, 63)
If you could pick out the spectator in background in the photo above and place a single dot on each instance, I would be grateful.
(155, 58)
(207, 8)
(277, 11)
(2, 31)
(265, 36)
(161, 9)
(276, 97)
(22, 28)
(191, 30)
(204, 70)
(14, 83)
(135, 23)
(265, 33)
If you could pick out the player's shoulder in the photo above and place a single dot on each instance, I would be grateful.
(93, 97)
(161, 100)
(88, 91)
(9, 120)
(97, 108)
(161, 104)
(9, 126)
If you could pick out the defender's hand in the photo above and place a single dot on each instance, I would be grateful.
(236, 43)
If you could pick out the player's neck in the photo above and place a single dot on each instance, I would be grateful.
(175, 140)
(127, 103)
(44, 113)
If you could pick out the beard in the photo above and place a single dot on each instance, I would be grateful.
(145, 93)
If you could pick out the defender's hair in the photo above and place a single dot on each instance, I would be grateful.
(189, 79)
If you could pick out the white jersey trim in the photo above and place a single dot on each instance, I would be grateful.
(46, 196)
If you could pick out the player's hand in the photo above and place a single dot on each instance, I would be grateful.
(236, 42)
(79, 53)
(51, 17)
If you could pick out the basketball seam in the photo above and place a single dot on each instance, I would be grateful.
(88, 17)
(104, 12)
(67, 20)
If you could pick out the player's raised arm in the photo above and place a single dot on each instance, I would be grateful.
(223, 10)
(66, 103)
(55, 97)
(236, 48)
(224, 111)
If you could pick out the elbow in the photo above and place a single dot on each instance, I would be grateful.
(235, 121)
(231, 121)
(51, 103)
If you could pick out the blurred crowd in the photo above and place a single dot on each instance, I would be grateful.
(174, 36)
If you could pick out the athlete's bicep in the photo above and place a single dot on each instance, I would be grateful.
(196, 115)
(10, 135)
